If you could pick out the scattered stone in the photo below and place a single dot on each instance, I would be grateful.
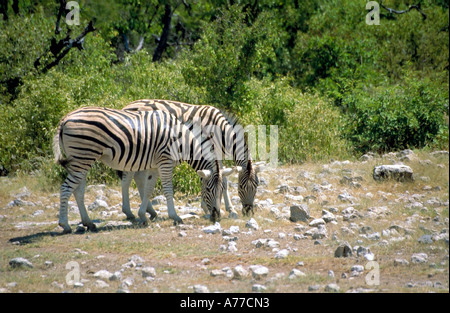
(401, 173)
(316, 222)
(357, 270)
(332, 288)
(299, 213)
(343, 251)
(258, 288)
(313, 288)
(259, 271)
(200, 289)
(318, 232)
(282, 254)
(98, 204)
(20, 263)
(427, 239)
(418, 258)
(240, 272)
(328, 217)
(101, 284)
(212, 229)
(252, 224)
(400, 262)
(296, 273)
(217, 273)
(350, 214)
(103, 274)
(148, 271)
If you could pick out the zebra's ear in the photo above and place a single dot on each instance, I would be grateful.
(227, 171)
(204, 173)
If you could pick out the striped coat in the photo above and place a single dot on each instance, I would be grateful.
(131, 141)
(228, 140)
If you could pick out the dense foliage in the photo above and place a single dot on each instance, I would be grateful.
(334, 85)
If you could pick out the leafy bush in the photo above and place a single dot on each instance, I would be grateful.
(409, 115)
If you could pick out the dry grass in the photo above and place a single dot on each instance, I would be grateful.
(178, 260)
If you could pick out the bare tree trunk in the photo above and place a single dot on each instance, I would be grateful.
(162, 44)
(4, 9)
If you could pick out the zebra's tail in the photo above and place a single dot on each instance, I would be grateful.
(59, 158)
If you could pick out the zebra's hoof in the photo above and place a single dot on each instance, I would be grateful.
(177, 221)
(143, 222)
(66, 229)
(91, 227)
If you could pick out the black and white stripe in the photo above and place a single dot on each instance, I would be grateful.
(132, 141)
(229, 140)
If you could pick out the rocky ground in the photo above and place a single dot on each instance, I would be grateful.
(317, 228)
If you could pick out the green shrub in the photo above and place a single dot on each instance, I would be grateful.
(410, 115)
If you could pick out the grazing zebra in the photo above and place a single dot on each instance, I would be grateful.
(132, 141)
(228, 135)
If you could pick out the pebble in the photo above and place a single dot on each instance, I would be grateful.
(259, 271)
(212, 229)
(299, 213)
(418, 258)
(252, 224)
(332, 288)
(258, 288)
(148, 272)
(343, 251)
(103, 274)
(282, 254)
(20, 263)
(200, 289)
(240, 272)
(296, 273)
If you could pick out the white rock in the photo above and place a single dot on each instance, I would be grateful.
(240, 272)
(101, 284)
(252, 224)
(148, 271)
(98, 204)
(296, 273)
(316, 222)
(20, 263)
(259, 271)
(258, 288)
(200, 289)
(212, 229)
(397, 172)
(103, 274)
(282, 254)
(419, 258)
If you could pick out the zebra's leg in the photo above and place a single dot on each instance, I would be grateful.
(226, 198)
(166, 174)
(70, 184)
(79, 197)
(146, 181)
(125, 183)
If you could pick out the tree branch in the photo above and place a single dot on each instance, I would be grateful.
(67, 43)
(414, 6)
(61, 10)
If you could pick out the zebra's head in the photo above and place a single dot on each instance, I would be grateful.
(248, 182)
(212, 188)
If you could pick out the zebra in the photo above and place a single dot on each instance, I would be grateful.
(228, 136)
(132, 141)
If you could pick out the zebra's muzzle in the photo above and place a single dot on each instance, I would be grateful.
(247, 210)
